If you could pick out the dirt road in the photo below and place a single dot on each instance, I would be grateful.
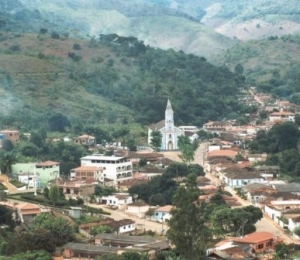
(147, 224)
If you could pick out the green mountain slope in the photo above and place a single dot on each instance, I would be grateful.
(156, 25)
(253, 19)
(271, 64)
(119, 79)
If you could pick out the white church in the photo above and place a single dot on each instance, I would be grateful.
(168, 130)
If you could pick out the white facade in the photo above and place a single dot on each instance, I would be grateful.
(118, 200)
(137, 209)
(185, 128)
(292, 225)
(237, 183)
(126, 228)
(273, 213)
(30, 180)
(168, 130)
(117, 169)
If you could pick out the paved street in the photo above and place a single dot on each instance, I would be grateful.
(265, 224)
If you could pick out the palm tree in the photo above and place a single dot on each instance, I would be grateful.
(7, 159)
(156, 140)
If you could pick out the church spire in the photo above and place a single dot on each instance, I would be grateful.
(169, 120)
(169, 106)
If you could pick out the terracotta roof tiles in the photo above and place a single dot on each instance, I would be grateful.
(256, 237)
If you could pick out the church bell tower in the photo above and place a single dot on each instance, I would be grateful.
(169, 117)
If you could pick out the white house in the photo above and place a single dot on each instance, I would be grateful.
(138, 209)
(119, 200)
(123, 226)
(240, 179)
(168, 130)
(161, 214)
(30, 180)
(280, 208)
(273, 213)
(117, 169)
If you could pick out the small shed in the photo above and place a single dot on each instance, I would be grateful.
(75, 212)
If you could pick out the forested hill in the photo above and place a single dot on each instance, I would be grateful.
(272, 65)
(113, 79)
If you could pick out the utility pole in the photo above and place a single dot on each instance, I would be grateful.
(35, 181)
(243, 226)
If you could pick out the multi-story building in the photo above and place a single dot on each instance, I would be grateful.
(47, 171)
(117, 169)
(91, 173)
(12, 135)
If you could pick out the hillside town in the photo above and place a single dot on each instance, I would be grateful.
(228, 165)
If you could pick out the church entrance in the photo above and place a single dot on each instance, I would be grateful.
(170, 145)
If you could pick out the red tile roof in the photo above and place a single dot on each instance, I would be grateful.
(87, 168)
(228, 153)
(47, 163)
(255, 238)
(166, 208)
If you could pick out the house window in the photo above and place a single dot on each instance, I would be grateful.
(269, 244)
(124, 227)
(260, 246)
(170, 135)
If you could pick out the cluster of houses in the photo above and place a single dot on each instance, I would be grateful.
(231, 167)
(280, 201)
(116, 171)
(14, 137)
(274, 111)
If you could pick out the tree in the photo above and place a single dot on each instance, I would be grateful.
(187, 227)
(7, 145)
(156, 140)
(187, 148)
(127, 255)
(36, 255)
(281, 251)
(43, 30)
(157, 199)
(54, 193)
(237, 221)
(76, 46)
(6, 217)
(285, 136)
(100, 229)
(131, 145)
(239, 69)
(61, 229)
(46, 192)
(58, 122)
(176, 170)
(54, 35)
(196, 169)
(142, 162)
(187, 153)
(7, 159)
(296, 231)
